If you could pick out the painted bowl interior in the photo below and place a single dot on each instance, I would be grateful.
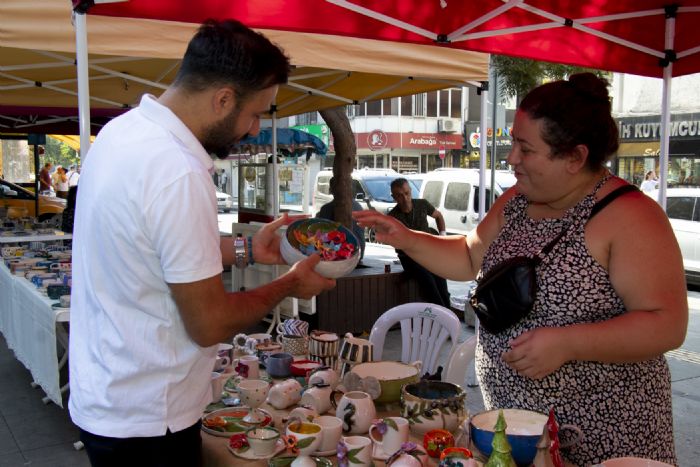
(316, 223)
(433, 390)
(524, 429)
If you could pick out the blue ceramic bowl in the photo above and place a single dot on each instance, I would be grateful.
(524, 429)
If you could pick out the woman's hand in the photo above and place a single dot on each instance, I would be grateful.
(537, 353)
(387, 229)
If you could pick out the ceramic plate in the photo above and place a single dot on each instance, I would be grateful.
(226, 422)
(247, 453)
(284, 461)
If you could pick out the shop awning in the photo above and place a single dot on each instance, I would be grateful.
(71, 140)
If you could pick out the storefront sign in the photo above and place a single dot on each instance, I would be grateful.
(377, 140)
(503, 136)
(319, 131)
(649, 127)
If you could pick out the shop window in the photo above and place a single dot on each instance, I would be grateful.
(680, 207)
(431, 109)
(457, 196)
(432, 192)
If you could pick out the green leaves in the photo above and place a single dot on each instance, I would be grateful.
(351, 455)
(391, 424)
(306, 442)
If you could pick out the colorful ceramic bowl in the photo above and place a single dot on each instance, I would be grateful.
(392, 376)
(339, 247)
(524, 429)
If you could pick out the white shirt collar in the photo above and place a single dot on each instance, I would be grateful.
(163, 116)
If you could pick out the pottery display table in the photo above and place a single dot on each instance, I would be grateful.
(217, 454)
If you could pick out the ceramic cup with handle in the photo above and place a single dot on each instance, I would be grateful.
(354, 350)
(356, 409)
(248, 366)
(323, 347)
(293, 327)
(262, 440)
(389, 434)
(332, 428)
(279, 365)
(295, 345)
(357, 449)
(217, 385)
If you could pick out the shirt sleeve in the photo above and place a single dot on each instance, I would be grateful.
(184, 229)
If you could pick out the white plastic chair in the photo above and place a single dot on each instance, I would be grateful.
(425, 327)
(459, 361)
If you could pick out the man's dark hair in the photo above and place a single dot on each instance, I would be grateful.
(227, 52)
(398, 183)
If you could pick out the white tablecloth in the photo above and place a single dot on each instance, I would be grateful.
(28, 322)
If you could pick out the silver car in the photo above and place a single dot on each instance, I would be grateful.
(224, 202)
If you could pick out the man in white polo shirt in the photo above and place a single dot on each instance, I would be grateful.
(148, 303)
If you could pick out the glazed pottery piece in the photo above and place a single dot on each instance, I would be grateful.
(306, 437)
(430, 405)
(284, 394)
(356, 409)
(392, 376)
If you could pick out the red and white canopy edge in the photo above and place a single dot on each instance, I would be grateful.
(645, 37)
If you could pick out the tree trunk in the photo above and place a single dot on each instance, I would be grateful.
(345, 150)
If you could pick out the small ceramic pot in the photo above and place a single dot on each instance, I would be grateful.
(354, 350)
(435, 441)
(284, 394)
(430, 405)
(356, 409)
(262, 440)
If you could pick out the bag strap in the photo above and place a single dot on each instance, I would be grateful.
(609, 198)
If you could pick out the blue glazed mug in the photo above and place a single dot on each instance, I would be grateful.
(279, 365)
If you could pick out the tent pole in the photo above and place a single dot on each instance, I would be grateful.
(275, 173)
(81, 53)
(665, 111)
(484, 91)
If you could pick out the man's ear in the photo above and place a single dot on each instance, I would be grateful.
(223, 101)
(577, 159)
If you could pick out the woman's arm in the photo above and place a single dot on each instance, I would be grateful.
(634, 239)
(453, 257)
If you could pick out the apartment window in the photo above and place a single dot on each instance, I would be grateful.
(456, 103)
(390, 106)
(431, 109)
(444, 103)
(407, 106)
(308, 118)
(419, 105)
(374, 108)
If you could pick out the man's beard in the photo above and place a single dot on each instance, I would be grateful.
(219, 138)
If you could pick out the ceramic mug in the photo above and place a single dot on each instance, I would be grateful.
(319, 397)
(323, 347)
(361, 443)
(278, 365)
(248, 366)
(295, 345)
(354, 350)
(395, 434)
(356, 409)
(217, 385)
(293, 327)
(324, 375)
(332, 429)
(225, 350)
(221, 363)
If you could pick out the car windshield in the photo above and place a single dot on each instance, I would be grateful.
(380, 189)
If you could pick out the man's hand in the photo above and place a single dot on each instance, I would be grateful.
(309, 283)
(266, 241)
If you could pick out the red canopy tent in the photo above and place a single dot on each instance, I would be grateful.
(646, 37)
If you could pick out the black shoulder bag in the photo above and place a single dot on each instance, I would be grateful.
(506, 293)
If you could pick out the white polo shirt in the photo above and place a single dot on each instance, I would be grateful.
(146, 216)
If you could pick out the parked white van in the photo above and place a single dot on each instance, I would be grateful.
(683, 210)
(455, 193)
(370, 187)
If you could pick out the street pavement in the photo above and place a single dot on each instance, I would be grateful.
(35, 434)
